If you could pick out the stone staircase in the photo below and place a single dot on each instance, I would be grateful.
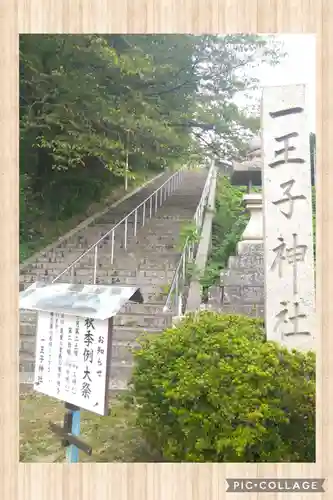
(148, 262)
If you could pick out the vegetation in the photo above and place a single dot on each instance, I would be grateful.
(114, 438)
(213, 390)
(228, 225)
(90, 103)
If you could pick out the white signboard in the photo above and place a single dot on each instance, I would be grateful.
(71, 360)
(288, 236)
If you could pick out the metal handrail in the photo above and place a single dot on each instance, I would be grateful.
(168, 186)
(188, 250)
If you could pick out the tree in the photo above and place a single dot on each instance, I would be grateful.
(82, 95)
(224, 66)
(88, 100)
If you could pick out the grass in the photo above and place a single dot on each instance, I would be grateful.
(51, 231)
(114, 438)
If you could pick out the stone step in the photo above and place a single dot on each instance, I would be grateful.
(122, 352)
(244, 294)
(158, 262)
(150, 293)
(123, 276)
(154, 237)
(131, 334)
(104, 265)
(120, 374)
(149, 309)
(252, 310)
(122, 260)
(27, 363)
(159, 230)
(107, 278)
(77, 271)
(77, 246)
(104, 245)
(176, 216)
(166, 275)
(143, 320)
(27, 328)
(28, 346)
(179, 208)
(156, 247)
(115, 218)
(248, 277)
(140, 282)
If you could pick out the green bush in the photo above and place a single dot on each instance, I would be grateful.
(213, 390)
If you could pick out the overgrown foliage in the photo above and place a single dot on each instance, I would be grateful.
(91, 103)
(228, 225)
(213, 390)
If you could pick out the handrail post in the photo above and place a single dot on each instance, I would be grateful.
(180, 305)
(112, 246)
(95, 265)
(125, 234)
(161, 196)
(143, 214)
(156, 197)
(135, 221)
(150, 206)
(177, 294)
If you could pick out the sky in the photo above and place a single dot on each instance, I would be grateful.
(299, 66)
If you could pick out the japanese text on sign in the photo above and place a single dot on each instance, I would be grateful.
(71, 360)
(288, 243)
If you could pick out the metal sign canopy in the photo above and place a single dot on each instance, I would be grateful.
(93, 301)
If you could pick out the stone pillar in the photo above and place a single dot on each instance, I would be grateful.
(254, 231)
